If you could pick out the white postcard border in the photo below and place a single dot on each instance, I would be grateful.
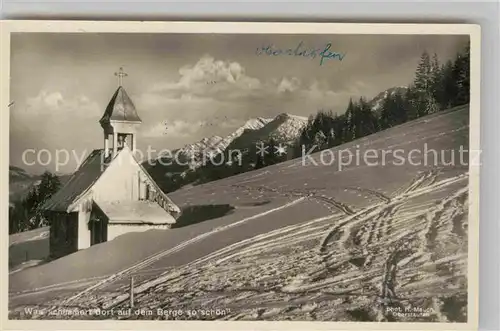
(8, 27)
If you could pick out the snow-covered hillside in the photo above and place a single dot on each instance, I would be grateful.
(305, 241)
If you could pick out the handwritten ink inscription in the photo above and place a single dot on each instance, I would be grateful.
(323, 54)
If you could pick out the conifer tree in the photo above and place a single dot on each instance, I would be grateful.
(423, 74)
(259, 163)
(350, 127)
(436, 89)
(339, 129)
(448, 85)
(367, 121)
(320, 140)
(461, 75)
(25, 215)
(272, 157)
(388, 113)
(410, 97)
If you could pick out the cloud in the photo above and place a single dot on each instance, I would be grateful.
(52, 120)
(174, 129)
(44, 98)
(207, 68)
(289, 85)
(213, 96)
(55, 103)
(209, 77)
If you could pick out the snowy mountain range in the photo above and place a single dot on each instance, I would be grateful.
(171, 174)
(283, 128)
(217, 144)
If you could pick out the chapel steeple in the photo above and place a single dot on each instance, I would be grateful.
(120, 120)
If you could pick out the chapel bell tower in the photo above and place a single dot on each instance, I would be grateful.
(120, 121)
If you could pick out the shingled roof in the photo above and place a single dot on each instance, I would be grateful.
(120, 108)
(86, 175)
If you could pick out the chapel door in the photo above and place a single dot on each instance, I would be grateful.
(98, 229)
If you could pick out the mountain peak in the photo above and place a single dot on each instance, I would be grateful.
(254, 123)
(290, 116)
(377, 102)
(282, 128)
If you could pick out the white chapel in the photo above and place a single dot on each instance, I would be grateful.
(111, 193)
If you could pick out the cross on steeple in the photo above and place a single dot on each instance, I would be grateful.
(120, 75)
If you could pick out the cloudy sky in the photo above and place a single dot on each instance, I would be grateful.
(199, 85)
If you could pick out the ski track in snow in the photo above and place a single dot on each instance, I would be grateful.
(407, 246)
(155, 257)
(400, 250)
